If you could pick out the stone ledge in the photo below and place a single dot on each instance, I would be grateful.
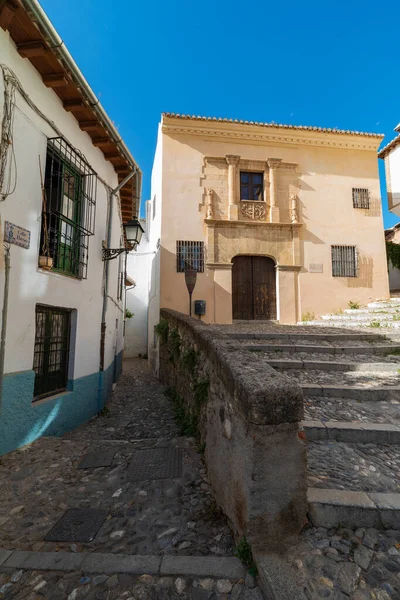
(263, 395)
(375, 394)
(352, 432)
(196, 566)
(331, 508)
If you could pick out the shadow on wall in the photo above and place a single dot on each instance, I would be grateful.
(374, 210)
(365, 270)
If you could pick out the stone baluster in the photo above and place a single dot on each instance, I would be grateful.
(273, 164)
(233, 208)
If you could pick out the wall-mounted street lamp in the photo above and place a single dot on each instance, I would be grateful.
(133, 234)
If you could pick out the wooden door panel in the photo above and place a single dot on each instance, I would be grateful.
(242, 288)
(253, 288)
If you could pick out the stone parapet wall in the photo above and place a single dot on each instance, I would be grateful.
(246, 416)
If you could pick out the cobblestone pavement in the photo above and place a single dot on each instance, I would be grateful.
(163, 516)
(366, 467)
(345, 409)
(53, 585)
(342, 564)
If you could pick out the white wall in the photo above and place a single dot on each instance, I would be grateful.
(155, 235)
(394, 169)
(137, 298)
(28, 284)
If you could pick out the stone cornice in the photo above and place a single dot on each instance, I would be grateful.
(253, 134)
(288, 267)
(227, 223)
(226, 266)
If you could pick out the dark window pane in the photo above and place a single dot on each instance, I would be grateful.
(244, 192)
(244, 177)
(257, 178)
(257, 192)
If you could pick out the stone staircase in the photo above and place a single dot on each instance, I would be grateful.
(379, 314)
(351, 385)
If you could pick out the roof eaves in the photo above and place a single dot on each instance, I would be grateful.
(272, 125)
(395, 142)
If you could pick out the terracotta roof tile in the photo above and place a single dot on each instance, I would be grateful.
(382, 153)
(272, 124)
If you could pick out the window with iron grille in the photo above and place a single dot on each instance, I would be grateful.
(251, 186)
(190, 255)
(69, 201)
(51, 354)
(360, 198)
(344, 261)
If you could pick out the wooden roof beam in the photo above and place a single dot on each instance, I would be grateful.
(55, 80)
(111, 155)
(32, 49)
(101, 141)
(89, 125)
(8, 8)
(72, 105)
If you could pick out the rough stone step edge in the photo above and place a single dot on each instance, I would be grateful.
(344, 324)
(96, 562)
(375, 350)
(331, 365)
(363, 317)
(321, 337)
(275, 575)
(351, 432)
(348, 508)
(354, 392)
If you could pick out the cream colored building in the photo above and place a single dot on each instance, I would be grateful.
(280, 221)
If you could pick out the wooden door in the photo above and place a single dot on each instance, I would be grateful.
(253, 288)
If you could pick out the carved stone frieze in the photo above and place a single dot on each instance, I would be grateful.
(257, 211)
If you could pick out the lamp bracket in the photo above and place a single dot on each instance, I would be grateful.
(110, 253)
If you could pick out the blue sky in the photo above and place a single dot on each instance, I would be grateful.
(308, 63)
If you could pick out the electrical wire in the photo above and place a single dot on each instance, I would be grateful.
(11, 85)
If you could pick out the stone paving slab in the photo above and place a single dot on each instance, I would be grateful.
(94, 460)
(197, 566)
(375, 394)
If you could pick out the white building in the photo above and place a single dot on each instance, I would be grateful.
(391, 156)
(62, 163)
(139, 269)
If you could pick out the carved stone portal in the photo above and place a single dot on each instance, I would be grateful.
(294, 208)
(254, 210)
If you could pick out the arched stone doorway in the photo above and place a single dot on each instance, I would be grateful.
(253, 288)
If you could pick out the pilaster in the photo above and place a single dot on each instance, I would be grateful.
(233, 208)
(273, 164)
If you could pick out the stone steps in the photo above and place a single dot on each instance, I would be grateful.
(354, 324)
(352, 432)
(349, 508)
(376, 349)
(327, 365)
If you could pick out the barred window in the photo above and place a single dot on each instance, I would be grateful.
(360, 198)
(189, 255)
(344, 261)
(69, 200)
(51, 353)
(251, 186)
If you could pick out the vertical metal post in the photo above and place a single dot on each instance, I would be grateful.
(4, 317)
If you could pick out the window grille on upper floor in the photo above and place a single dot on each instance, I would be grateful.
(360, 198)
(69, 202)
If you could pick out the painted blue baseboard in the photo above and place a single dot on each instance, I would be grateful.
(22, 422)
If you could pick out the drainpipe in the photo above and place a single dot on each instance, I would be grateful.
(106, 277)
(4, 319)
